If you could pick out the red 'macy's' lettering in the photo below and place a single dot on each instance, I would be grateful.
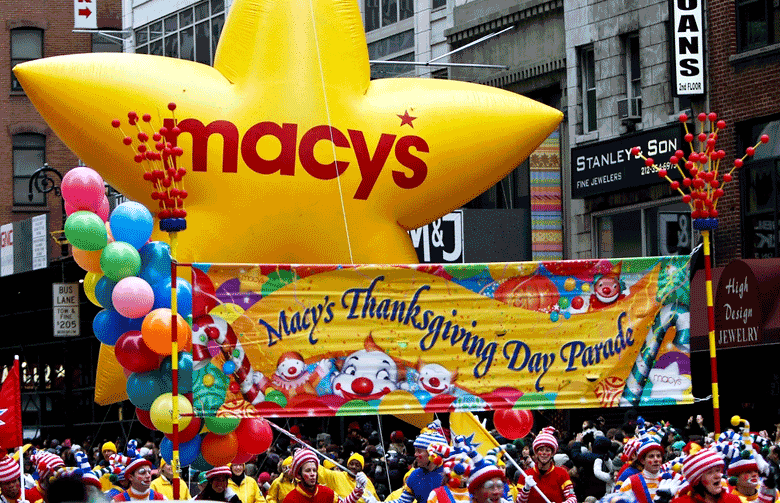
(406, 151)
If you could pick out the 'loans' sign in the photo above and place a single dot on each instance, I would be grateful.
(688, 42)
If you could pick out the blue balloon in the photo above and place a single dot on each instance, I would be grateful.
(155, 261)
(103, 290)
(188, 451)
(132, 223)
(228, 367)
(162, 295)
(143, 388)
(185, 373)
(108, 326)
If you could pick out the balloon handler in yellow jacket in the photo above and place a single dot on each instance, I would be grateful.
(343, 483)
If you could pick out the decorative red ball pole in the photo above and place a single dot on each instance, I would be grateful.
(704, 190)
(158, 159)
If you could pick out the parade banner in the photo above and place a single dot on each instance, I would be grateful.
(303, 340)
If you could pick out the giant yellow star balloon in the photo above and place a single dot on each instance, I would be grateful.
(290, 93)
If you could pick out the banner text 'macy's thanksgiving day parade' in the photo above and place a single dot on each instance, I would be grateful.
(344, 340)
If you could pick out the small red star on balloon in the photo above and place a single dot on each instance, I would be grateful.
(406, 119)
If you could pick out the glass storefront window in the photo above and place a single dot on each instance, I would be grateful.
(644, 230)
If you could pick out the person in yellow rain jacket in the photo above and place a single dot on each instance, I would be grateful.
(343, 483)
(246, 487)
(164, 483)
(282, 485)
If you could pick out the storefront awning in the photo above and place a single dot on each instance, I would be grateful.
(746, 296)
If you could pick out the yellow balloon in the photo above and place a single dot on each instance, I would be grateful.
(289, 95)
(161, 412)
(286, 138)
(569, 284)
(90, 281)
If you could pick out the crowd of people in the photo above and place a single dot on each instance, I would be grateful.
(641, 462)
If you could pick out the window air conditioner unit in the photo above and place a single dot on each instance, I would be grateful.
(630, 109)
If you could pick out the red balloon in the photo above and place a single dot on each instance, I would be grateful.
(204, 296)
(254, 435)
(144, 419)
(134, 355)
(219, 450)
(189, 432)
(513, 424)
(242, 457)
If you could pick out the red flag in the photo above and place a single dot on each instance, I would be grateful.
(11, 410)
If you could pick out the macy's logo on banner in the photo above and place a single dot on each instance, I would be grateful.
(370, 164)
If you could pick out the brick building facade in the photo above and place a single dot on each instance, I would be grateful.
(57, 373)
(744, 59)
(30, 30)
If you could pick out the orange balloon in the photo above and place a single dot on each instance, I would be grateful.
(87, 260)
(156, 332)
(219, 450)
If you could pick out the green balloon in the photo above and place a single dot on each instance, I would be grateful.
(120, 260)
(563, 302)
(86, 231)
(221, 425)
(276, 397)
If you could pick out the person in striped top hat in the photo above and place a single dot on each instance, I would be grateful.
(457, 466)
(703, 472)
(427, 476)
(553, 481)
(217, 486)
(304, 470)
(138, 472)
(46, 465)
(650, 455)
(10, 480)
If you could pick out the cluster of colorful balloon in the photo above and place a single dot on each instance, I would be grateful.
(130, 278)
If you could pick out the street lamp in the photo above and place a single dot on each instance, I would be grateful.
(44, 183)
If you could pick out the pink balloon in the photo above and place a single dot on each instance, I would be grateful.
(83, 188)
(133, 297)
(103, 210)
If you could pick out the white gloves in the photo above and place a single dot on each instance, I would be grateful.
(369, 498)
(360, 480)
(529, 483)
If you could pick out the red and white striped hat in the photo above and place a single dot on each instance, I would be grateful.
(300, 458)
(9, 469)
(136, 464)
(695, 466)
(218, 470)
(47, 463)
(546, 437)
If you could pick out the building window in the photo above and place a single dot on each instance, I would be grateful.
(645, 231)
(588, 89)
(441, 73)
(758, 23)
(191, 33)
(26, 45)
(761, 201)
(438, 4)
(633, 70)
(29, 154)
(380, 13)
(392, 48)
